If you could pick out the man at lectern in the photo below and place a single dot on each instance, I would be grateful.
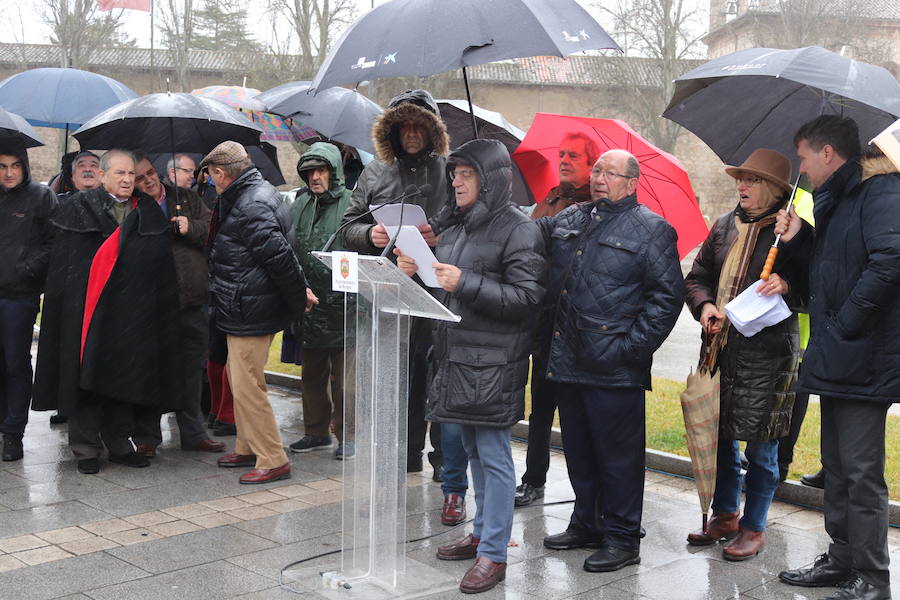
(490, 263)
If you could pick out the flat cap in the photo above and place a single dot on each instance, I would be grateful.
(226, 153)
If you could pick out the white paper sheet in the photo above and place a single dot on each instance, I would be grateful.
(411, 243)
(389, 214)
(751, 312)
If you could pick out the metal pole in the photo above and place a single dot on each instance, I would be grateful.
(471, 110)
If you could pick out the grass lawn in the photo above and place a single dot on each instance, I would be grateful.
(665, 426)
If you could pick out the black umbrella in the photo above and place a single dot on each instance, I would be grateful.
(337, 113)
(166, 122)
(758, 98)
(491, 126)
(16, 132)
(264, 156)
(425, 37)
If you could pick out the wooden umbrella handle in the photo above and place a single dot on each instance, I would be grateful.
(770, 263)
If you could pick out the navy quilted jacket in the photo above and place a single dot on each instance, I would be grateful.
(614, 292)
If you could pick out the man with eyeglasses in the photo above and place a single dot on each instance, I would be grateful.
(188, 235)
(614, 292)
(180, 171)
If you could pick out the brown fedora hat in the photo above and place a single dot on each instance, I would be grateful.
(771, 165)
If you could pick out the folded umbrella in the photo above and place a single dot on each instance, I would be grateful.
(759, 97)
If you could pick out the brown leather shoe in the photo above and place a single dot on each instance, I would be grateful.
(454, 511)
(148, 450)
(233, 459)
(482, 576)
(463, 549)
(267, 475)
(720, 526)
(746, 545)
(208, 445)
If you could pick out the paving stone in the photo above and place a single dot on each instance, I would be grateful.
(258, 498)
(319, 498)
(41, 555)
(293, 490)
(804, 519)
(696, 577)
(22, 542)
(324, 484)
(86, 546)
(204, 582)
(133, 536)
(44, 518)
(191, 549)
(60, 490)
(9, 562)
(226, 504)
(187, 511)
(70, 576)
(174, 528)
(285, 506)
(67, 534)
(108, 526)
(215, 519)
(270, 562)
(150, 518)
(250, 513)
(296, 526)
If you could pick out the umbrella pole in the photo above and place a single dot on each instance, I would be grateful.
(471, 110)
(705, 523)
(175, 183)
(66, 141)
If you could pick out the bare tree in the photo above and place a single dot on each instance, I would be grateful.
(314, 24)
(662, 35)
(176, 19)
(78, 26)
(839, 25)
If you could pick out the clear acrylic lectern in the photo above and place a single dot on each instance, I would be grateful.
(377, 327)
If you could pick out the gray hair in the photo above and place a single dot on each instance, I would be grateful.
(170, 164)
(109, 154)
(632, 167)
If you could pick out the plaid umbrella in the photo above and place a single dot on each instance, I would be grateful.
(700, 406)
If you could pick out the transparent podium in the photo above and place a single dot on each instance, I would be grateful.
(373, 561)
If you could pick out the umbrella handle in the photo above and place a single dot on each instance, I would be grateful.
(770, 263)
(705, 523)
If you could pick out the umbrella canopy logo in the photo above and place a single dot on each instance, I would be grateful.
(362, 63)
(390, 58)
(578, 37)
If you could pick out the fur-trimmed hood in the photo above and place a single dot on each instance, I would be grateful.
(880, 165)
(413, 105)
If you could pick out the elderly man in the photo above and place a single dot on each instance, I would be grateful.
(577, 154)
(490, 263)
(614, 293)
(86, 171)
(190, 226)
(316, 214)
(854, 348)
(25, 239)
(411, 144)
(108, 324)
(257, 289)
(180, 171)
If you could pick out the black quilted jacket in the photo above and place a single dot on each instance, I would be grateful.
(256, 285)
(613, 295)
(482, 361)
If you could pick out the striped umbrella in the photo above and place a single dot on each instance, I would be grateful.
(274, 127)
(700, 407)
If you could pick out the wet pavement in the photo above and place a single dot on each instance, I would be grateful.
(185, 529)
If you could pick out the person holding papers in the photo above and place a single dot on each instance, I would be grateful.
(490, 265)
(757, 372)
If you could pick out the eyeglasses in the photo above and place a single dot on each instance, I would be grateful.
(147, 175)
(465, 174)
(609, 174)
(184, 170)
(751, 181)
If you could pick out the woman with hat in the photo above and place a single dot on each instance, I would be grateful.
(758, 372)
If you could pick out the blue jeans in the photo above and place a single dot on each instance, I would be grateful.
(456, 461)
(494, 480)
(760, 482)
(16, 329)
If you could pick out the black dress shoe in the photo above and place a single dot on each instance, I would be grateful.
(823, 573)
(437, 463)
(12, 448)
(58, 419)
(132, 459)
(527, 493)
(816, 480)
(89, 466)
(610, 558)
(569, 540)
(860, 589)
(414, 463)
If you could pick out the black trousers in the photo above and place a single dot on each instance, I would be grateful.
(540, 424)
(856, 495)
(98, 422)
(604, 438)
(416, 401)
(787, 443)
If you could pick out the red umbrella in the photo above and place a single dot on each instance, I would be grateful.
(664, 186)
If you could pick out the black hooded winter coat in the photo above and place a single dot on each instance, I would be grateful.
(256, 285)
(386, 178)
(482, 361)
(26, 236)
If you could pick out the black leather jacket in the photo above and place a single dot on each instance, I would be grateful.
(614, 292)
(256, 285)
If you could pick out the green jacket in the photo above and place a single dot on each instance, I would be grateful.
(315, 218)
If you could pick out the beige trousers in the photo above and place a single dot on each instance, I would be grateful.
(257, 431)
